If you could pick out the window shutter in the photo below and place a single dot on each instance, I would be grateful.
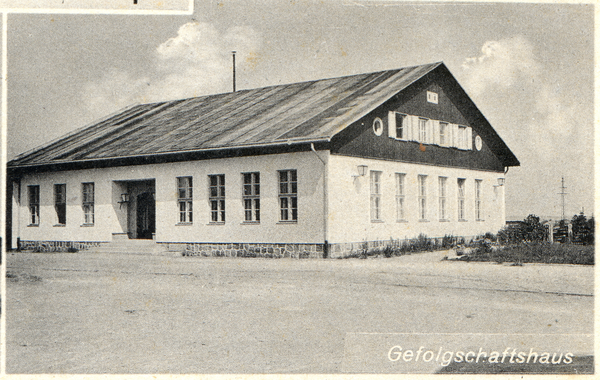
(454, 135)
(449, 134)
(469, 138)
(415, 128)
(435, 127)
(392, 124)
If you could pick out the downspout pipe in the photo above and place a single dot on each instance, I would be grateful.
(325, 202)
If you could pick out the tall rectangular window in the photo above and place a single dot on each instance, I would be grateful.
(288, 195)
(217, 198)
(88, 202)
(443, 134)
(251, 196)
(33, 194)
(60, 203)
(442, 198)
(422, 197)
(400, 129)
(375, 195)
(478, 210)
(185, 199)
(400, 213)
(423, 130)
(461, 199)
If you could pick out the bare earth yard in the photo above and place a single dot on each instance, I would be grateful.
(102, 313)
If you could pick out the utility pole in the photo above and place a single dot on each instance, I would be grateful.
(562, 194)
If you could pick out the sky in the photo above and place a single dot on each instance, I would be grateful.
(528, 67)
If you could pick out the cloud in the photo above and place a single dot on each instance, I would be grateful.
(548, 129)
(195, 62)
(502, 64)
(509, 73)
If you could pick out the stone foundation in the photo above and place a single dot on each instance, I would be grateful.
(56, 246)
(371, 248)
(267, 250)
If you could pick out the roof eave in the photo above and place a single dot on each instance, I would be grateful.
(296, 141)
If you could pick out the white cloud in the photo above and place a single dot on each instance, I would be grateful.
(502, 64)
(195, 62)
(547, 129)
(509, 72)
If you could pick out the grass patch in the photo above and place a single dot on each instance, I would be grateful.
(535, 253)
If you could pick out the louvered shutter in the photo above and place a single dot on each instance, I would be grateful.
(392, 124)
(455, 135)
(408, 128)
(415, 128)
(436, 132)
(469, 138)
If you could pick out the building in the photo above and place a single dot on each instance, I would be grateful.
(320, 167)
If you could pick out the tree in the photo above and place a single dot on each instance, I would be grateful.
(583, 229)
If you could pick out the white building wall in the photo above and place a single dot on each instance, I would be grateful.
(349, 201)
(110, 216)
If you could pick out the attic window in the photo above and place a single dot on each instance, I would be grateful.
(432, 97)
(478, 142)
(378, 126)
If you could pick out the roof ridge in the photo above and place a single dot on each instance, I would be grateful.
(433, 66)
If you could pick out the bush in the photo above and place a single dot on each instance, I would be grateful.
(536, 253)
(529, 230)
(404, 247)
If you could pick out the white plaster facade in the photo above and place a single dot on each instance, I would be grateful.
(345, 200)
(111, 216)
(349, 201)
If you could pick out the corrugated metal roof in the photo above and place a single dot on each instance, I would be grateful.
(298, 112)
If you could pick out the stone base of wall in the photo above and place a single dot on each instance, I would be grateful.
(56, 246)
(370, 248)
(267, 250)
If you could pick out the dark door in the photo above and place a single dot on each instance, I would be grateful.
(145, 216)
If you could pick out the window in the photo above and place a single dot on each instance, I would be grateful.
(377, 126)
(88, 202)
(432, 97)
(185, 199)
(461, 199)
(422, 197)
(33, 193)
(442, 198)
(443, 134)
(478, 211)
(400, 215)
(288, 195)
(375, 195)
(60, 203)
(251, 196)
(423, 130)
(462, 137)
(400, 129)
(217, 198)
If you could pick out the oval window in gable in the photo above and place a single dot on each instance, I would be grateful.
(478, 142)
(377, 126)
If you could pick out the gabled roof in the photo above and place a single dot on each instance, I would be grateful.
(304, 112)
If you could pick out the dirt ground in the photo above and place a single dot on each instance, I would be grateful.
(102, 313)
